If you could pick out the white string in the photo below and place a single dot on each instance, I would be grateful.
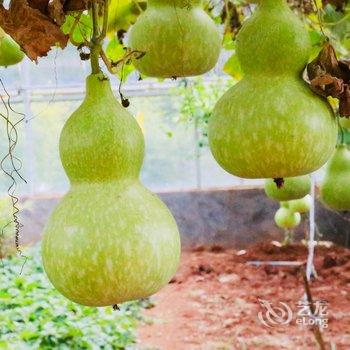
(311, 243)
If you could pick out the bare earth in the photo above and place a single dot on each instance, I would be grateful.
(212, 303)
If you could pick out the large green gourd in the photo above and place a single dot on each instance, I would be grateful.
(178, 38)
(293, 188)
(10, 51)
(335, 188)
(270, 125)
(109, 240)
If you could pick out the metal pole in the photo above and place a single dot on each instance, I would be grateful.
(311, 243)
(197, 157)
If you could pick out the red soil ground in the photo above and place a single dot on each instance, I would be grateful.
(212, 302)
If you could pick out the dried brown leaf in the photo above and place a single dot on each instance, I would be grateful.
(68, 5)
(31, 29)
(40, 5)
(56, 12)
(344, 102)
(331, 86)
(75, 5)
(329, 76)
(325, 63)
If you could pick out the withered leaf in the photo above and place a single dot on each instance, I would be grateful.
(329, 76)
(56, 12)
(328, 85)
(75, 5)
(230, 16)
(31, 29)
(325, 62)
(68, 5)
(40, 5)
(344, 102)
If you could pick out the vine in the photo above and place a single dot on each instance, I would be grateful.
(15, 166)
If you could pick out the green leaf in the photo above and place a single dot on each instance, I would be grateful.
(123, 13)
(115, 51)
(82, 30)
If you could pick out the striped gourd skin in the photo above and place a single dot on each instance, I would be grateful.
(270, 124)
(335, 188)
(178, 38)
(109, 240)
(293, 188)
(10, 51)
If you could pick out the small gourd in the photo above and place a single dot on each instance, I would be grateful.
(270, 124)
(109, 240)
(10, 51)
(177, 37)
(335, 188)
(287, 219)
(293, 188)
(302, 205)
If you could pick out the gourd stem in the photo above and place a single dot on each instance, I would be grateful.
(97, 36)
(94, 57)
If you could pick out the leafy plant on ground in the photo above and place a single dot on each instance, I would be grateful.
(7, 230)
(33, 315)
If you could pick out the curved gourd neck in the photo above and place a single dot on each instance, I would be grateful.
(185, 4)
(98, 87)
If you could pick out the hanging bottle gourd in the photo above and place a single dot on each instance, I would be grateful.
(270, 125)
(293, 188)
(109, 240)
(177, 37)
(286, 218)
(335, 188)
(10, 51)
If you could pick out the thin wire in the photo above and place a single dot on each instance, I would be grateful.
(12, 137)
(311, 243)
(320, 20)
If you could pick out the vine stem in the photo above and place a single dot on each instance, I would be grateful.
(97, 36)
